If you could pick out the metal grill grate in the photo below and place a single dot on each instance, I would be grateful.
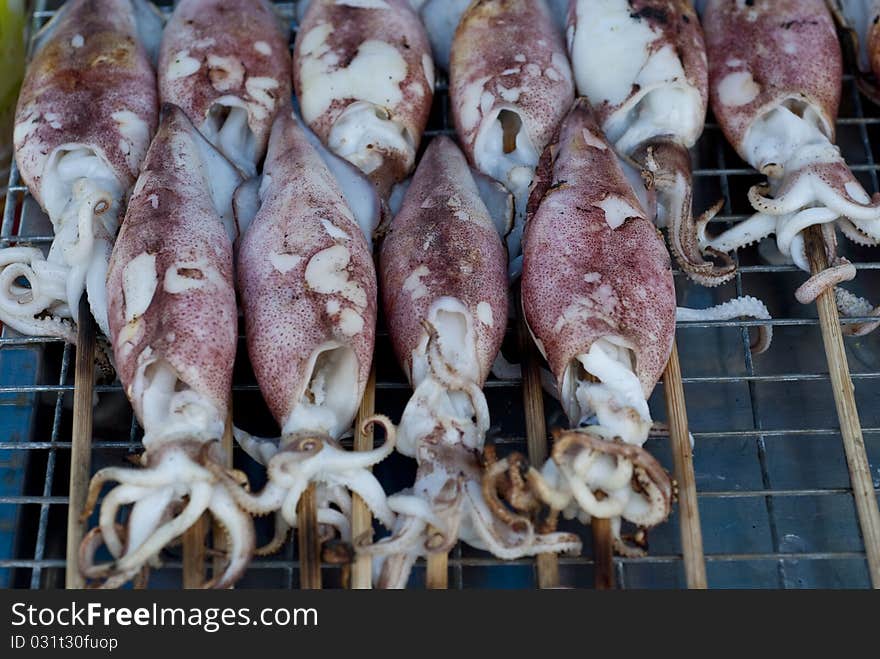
(773, 487)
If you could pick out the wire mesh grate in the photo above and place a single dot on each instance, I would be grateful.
(772, 482)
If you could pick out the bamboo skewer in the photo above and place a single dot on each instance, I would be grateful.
(194, 552)
(309, 542)
(437, 576)
(361, 520)
(219, 534)
(81, 441)
(847, 412)
(547, 565)
(603, 554)
(683, 466)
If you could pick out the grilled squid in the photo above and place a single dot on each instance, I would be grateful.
(364, 78)
(308, 291)
(83, 124)
(173, 326)
(226, 64)
(599, 300)
(775, 79)
(510, 86)
(445, 294)
(643, 67)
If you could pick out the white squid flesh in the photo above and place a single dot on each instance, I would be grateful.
(643, 67)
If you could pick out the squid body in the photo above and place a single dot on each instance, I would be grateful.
(226, 64)
(308, 290)
(173, 325)
(445, 294)
(775, 80)
(643, 67)
(364, 78)
(510, 85)
(599, 300)
(84, 120)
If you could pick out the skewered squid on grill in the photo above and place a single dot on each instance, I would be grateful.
(173, 325)
(510, 85)
(308, 291)
(643, 67)
(364, 79)
(775, 79)
(599, 300)
(84, 120)
(226, 64)
(445, 293)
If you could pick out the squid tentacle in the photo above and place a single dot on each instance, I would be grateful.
(240, 539)
(41, 307)
(747, 306)
(146, 515)
(313, 459)
(510, 543)
(748, 232)
(647, 502)
(852, 306)
(669, 169)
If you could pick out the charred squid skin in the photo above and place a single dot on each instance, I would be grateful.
(226, 64)
(85, 116)
(777, 106)
(173, 326)
(374, 121)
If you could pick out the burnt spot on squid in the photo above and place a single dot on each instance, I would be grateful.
(651, 13)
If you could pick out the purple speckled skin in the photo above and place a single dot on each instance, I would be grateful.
(286, 319)
(583, 280)
(789, 47)
(444, 227)
(171, 215)
(71, 92)
(231, 29)
(503, 45)
(398, 25)
(678, 26)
